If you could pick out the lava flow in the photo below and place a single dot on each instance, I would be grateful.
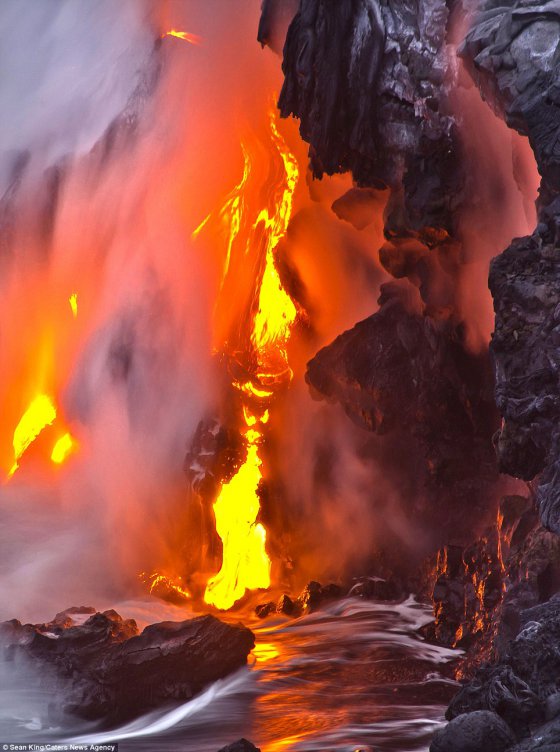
(42, 410)
(185, 35)
(255, 346)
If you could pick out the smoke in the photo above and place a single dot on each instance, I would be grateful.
(128, 141)
(502, 185)
(116, 144)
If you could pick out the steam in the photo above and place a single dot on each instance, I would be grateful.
(121, 164)
(116, 144)
(503, 184)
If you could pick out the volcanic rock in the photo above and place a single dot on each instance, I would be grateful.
(367, 81)
(104, 669)
(265, 609)
(240, 746)
(285, 605)
(409, 373)
(522, 686)
(481, 731)
(314, 594)
(512, 53)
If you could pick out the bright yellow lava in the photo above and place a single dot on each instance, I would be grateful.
(73, 300)
(192, 38)
(40, 413)
(245, 562)
(265, 651)
(63, 447)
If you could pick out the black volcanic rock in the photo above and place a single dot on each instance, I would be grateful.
(512, 52)
(367, 81)
(406, 372)
(481, 731)
(522, 686)
(525, 283)
(513, 55)
(104, 669)
(240, 746)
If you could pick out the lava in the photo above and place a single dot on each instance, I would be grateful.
(185, 35)
(40, 414)
(73, 300)
(63, 448)
(245, 561)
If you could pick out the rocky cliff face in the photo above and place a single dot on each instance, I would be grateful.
(404, 373)
(513, 703)
(371, 83)
(367, 80)
(513, 54)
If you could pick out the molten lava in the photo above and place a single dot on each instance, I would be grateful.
(192, 38)
(73, 300)
(63, 448)
(259, 338)
(40, 414)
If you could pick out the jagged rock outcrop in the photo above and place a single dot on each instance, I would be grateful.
(240, 746)
(522, 686)
(98, 665)
(403, 372)
(525, 283)
(470, 580)
(512, 53)
(367, 81)
(481, 730)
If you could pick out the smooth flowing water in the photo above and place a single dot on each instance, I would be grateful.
(353, 676)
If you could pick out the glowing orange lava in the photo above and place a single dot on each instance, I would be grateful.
(63, 448)
(245, 562)
(192, 38)
(40, 414)
(73, 300)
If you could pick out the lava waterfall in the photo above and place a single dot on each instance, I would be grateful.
(279, 448)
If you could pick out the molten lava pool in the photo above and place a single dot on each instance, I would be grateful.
(353, 676)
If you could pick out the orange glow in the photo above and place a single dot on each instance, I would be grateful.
(163, 583)
(265, 651)
(73, 300)
(245, 564)
(40, 414)
(251, 244)
(63, 448)
(192, 38)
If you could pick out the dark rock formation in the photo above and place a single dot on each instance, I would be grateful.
(470, 580)
(99, 667)
(512, 54)
(311, 597)
(523, 685)
(366, 79)
(525, 284)
(240, 746)
(481, 731)
(408, 373)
